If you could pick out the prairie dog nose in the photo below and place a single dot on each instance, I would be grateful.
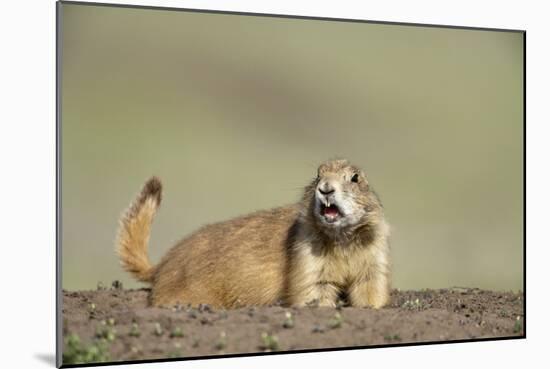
(325, 188)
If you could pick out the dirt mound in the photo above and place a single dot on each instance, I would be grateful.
(116, 324)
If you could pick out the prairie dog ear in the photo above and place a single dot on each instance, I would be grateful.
(320, 170)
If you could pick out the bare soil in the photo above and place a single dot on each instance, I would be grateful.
(115, 324)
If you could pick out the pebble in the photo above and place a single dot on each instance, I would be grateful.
(205, 308)
(205, 321)
(318, 329)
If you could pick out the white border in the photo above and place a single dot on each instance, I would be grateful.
(27, 141)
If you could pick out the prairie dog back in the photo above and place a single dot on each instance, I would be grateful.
(331, 242)
(235, 263)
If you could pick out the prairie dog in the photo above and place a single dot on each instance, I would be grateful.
(332, 242)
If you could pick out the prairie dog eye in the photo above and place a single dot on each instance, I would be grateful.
(355, 178)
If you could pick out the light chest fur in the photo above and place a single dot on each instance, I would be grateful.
(321, 271)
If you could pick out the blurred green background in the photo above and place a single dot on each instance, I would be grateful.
(234, 113)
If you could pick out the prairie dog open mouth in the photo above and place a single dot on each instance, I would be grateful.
(331, 213)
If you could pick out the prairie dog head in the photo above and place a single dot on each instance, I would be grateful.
(340, 198)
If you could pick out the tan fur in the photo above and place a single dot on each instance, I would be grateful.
(134, 231)
(287, 253)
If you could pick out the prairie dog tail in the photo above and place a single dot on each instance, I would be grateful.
(135, 228)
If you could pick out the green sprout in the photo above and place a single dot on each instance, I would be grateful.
(289, 320)
(176, 332)
(394, 337)
(105, 332)
(336, 321)
(412, 305)
(76, 352)
(134, 331)
(176, 352)
(158, 330)
(270, 342)
(92, 311)
(517, 325)
(221, 343)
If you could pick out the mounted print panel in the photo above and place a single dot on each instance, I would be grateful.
(243, 184)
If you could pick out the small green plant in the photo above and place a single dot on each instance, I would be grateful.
(111, 322)
(158, 330)
(106, 332)
(270, 342)
(336, 321)
(65, 326)
(392, 338)
(517, 325)
(75, 352)
(221, 343)
(176, 352)
(176, 332)
(289, 320)
(134, 330)
(92, 312)
(412, 305)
